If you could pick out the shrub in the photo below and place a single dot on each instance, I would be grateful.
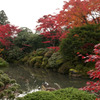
(55, 60)
(80, 39)
(41, 95)
(3, 63)
(8, 87)
(73, 94)
(14, 54)
(62, 94)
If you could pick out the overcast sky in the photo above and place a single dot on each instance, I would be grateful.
(25, 13)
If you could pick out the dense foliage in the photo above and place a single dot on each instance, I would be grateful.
(80, 39)
(23, 43)
(63, 94)
(3, 63)
(76, 13)
(7, 32)
(3, 18)
(94, 87)
(8, 87)
(17, 43)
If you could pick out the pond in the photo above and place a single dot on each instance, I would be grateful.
(33, 78)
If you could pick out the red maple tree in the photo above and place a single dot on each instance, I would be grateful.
(6, 32)
(75, 13)
(50, 29)
(80, 12)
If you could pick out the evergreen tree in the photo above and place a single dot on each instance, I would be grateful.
(3, 18)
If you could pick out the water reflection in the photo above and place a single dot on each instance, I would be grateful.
(33, 78)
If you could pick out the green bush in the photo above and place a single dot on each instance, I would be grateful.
(14, 54)
(62, 94)
(41, 95)
(55, 60)
(8, 87)
(80, 39)
(24, 43)
(3, 63)
(74, 94)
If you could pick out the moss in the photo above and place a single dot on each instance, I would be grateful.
(3, 63)
(25, 59)
(48, 53)
(35, 61)
(37, 64)
(64, 68)
(44, 61)
(59, 61)
(41, 51)
(32, 61)
(52, 61)
(73, 70)
(39, 58)
(8, 87)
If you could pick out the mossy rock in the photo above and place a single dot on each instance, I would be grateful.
(48, 53)
(3, 63)
(73, 70)
(54, 60)
(32, 61)
(64, 68)
(59, 61)
(44, 64)
(47, 66)
(8, 87)
(45, 61)
(25, 59)
(39, 58)
(37, 64)
(41, 51)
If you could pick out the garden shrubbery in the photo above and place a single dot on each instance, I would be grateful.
(80, 39)
(62, 94)
(8, 87)
(3, 63)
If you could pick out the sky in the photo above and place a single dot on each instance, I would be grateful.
(25, 13)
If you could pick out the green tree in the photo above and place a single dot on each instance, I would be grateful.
(80, 39)
(3, 18)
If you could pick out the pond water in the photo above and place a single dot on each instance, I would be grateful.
(32, 78)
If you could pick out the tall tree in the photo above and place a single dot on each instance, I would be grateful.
(80, 12)
(50, 29)
(3, 18)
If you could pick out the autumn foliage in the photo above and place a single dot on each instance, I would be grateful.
(80, 12)
(50, 29)
(75, 13)
(6, 32)
(94, 87)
